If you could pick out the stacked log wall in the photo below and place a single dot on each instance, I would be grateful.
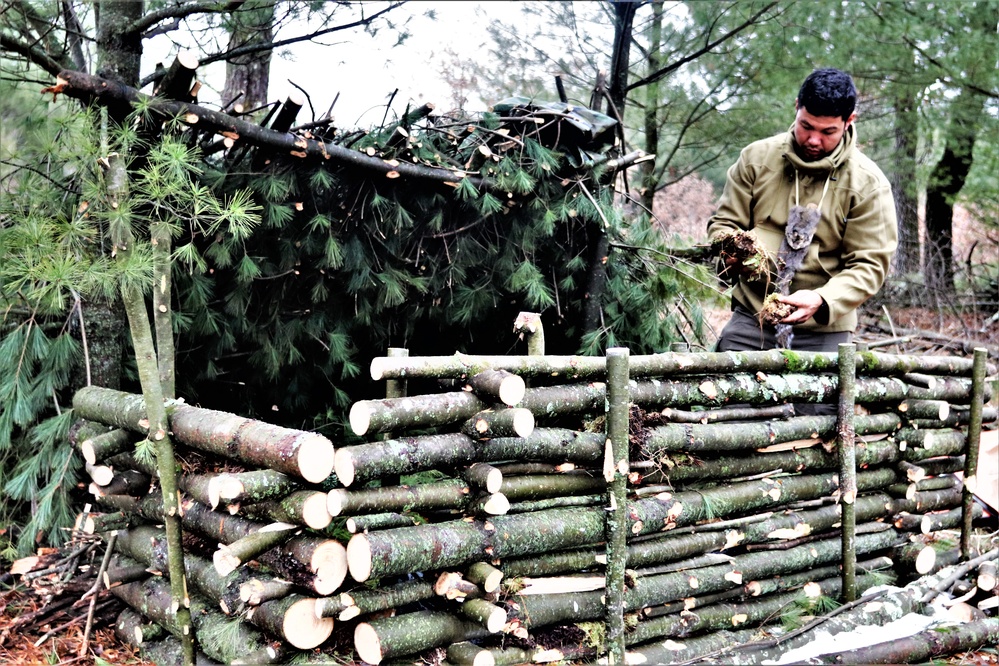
(502, 545)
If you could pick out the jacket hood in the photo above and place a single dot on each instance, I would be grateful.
(827, 163)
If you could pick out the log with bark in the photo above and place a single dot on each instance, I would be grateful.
(303, 454)
(452, 494)
(412, 632)
(662, 365)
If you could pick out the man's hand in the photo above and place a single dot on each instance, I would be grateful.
(806, 303)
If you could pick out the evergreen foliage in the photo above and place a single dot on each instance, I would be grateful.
(348, 263)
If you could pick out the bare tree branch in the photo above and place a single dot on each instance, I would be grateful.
(661, 73)
(179, 12)
(256, 48)
(33, 54)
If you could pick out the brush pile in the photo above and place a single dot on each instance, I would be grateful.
(479, 525)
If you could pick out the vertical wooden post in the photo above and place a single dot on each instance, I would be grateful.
(616, 475)
(394, 388)
(847, 466)
(978, 372)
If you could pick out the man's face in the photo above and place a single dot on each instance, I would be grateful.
(818, 136)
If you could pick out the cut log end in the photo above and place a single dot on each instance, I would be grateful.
(335, 499)
(188, 59)
(224, 561)
(315, 511)
(512, 390)
(302, 628)
(360, 418)
(378, 368)
(496, 505)
(330, 565)
(87, 449)
(315, 457)
(523, 423)
(925, 561)
(359, 560)
(224, 487)
(343, 465)
(367, 644)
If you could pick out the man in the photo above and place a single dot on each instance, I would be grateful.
(822, 211)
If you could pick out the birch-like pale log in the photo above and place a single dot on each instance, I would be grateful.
(99, 447)
(303, 454)
(446, 494)
(360, 463)
(458, 543)
(925, 646)
(500, 385)
(541, 610)
(229, 557)
(410, 633)
(665, 364)
(361, 601)
(509, 422)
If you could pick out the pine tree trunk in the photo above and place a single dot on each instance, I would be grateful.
(247, 76)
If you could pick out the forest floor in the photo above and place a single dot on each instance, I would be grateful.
(43, 617)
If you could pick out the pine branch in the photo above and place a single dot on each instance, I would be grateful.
(32, 53)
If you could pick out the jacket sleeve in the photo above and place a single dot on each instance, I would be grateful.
(734, 212)
(869, 242)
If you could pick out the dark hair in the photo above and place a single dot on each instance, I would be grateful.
(828, 92)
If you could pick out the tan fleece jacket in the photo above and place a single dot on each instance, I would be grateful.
(849, 256)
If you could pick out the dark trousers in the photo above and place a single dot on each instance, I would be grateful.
(744, 332)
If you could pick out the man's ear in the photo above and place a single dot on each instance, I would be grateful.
(795, 103)
(850, 120)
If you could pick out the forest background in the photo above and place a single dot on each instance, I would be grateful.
(286, 277)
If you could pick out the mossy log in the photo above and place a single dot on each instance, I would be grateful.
(362, 601)
(293, 619)
(484, 476)
(356, 465)
(230, 557)
(152, 599)
(540, 610)
(302, 454)
(509, 422)
(500, 385)
(543, 486)
(454, 494)
(946, 520)
(879, 610)
(106, 444)
(445, 408)
(683, 651)
(251, 487)
(665, 364)
(405, 634)
(257, 589)
(484, 613)
(361, 463)
(556, 502)
(123, 482)
(724, 414)
(302, 507)
(751, 612)
(467, 653)
(696, 437)
(162, 650)
(381, 521)
(485, 576)
(458, 543)
(314, 562)
(926, 646)
(136, 629)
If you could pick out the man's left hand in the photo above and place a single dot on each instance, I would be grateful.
(806, 303)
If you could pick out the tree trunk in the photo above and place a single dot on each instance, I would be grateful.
(650, 174)
(946, 181)
(247, 76)
(453, 494)
(362, 601)
(904, 183)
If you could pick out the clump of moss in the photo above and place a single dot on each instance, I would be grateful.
(774, 311)
(750, 257)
